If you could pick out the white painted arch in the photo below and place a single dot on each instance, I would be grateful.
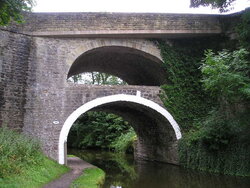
(105, 100)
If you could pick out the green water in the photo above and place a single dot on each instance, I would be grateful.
(123, 172)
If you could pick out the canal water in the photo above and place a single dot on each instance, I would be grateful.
(123, 172)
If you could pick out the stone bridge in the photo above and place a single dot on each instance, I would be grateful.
(37, 58)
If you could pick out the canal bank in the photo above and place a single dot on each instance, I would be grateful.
(124, 171)
(75, 178)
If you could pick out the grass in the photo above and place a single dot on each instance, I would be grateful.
(91, 178)
(70, 155)
(22, 163)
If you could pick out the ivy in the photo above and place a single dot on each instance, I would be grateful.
(183, 96)
(210, 101)
(243, 29)
(233, 160)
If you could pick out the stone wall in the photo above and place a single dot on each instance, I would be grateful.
(94, 24)
(15, 50)
(47, 105)
(46, 96)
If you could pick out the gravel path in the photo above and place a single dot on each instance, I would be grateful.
(77, 166)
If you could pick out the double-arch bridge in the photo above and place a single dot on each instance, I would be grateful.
(39, 56)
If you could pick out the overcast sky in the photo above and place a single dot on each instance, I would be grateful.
(163, 6)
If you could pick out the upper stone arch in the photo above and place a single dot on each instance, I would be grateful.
(139, 44)
(138, 62)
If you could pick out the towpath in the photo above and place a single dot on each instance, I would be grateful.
(77, 166)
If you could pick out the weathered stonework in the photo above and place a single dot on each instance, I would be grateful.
(14, 61)
(139, 24)
(37, 58)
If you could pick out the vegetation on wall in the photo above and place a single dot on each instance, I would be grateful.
(221, 141)
(183, 95)
(210, 99)
(243, 30)
(233, 160)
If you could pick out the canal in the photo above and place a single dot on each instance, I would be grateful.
(122, 171)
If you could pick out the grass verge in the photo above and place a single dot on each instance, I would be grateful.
(22, 164)
(91, 178)
(70, 155)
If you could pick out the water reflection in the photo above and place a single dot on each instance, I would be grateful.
(123, 172)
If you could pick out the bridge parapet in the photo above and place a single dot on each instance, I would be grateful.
(142, 25)
(78, 94)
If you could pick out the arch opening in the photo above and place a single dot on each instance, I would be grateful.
(156, 129)
(96, 78)
(134, 66)
(101, 130)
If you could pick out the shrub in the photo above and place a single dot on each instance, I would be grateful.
(96, 130)
(125, 142)
(220, 141)
(22, 163)
(16, 152)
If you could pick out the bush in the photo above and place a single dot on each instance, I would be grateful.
(125, 142)
(220, 141)
(232, 160)
(16, 152)
(97, 130)
(226, 76)
(22, 163)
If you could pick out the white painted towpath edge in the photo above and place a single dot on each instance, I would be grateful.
(105, 100)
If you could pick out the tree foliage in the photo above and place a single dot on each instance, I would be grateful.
(12, 10)
(97, 78)
(226, 78)
(98, 130)
(243, 30)
(220, 142)
(223, 5)
(226, 75)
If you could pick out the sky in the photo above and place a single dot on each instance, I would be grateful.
(159, 6)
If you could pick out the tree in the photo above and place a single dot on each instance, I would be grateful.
(97, 130)
(226, 75)
(243, 30)
(223, 5)
(76, 78)
(12, 10)
(97, 78)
